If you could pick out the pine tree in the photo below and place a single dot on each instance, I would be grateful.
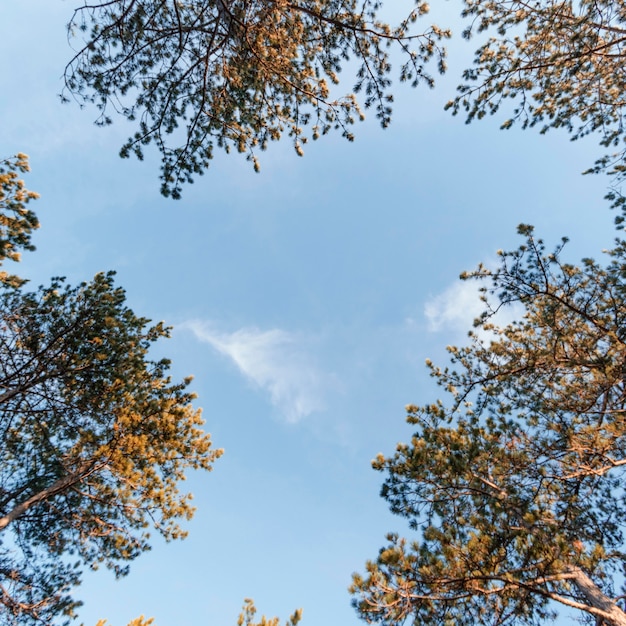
(95, 437)
(202, 75)
(514, 488)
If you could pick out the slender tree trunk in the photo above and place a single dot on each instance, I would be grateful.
(58, 486)
(611, 614)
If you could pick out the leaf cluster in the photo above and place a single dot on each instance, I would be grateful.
(246, 618)
(17, 222)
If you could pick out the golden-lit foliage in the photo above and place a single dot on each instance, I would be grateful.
(138, 621)
(246, 618)
(236, 74)
(95, 438)
(515, 489)
(248, 613)
(559, 64)
(16, 221)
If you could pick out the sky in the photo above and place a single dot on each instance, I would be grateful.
(304, 300)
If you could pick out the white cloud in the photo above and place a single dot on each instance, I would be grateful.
(459, 305)
(274, 360)
(455, 308)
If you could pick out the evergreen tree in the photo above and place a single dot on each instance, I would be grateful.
(236, 74)
(94, 436)
(514, 488)
(562, 65)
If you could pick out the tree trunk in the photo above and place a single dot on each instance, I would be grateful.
(608, 611)
(58, 486)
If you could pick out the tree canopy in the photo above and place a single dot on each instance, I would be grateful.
(514, 488)
(562, 64)
(94, 437)
(236, 74)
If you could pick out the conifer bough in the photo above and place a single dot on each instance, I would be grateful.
(198, 75)
(557, 64)
(201, 75)
(514, 489)
(95, 438)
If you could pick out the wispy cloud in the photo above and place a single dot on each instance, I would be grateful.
(274, 360)
(456, 308)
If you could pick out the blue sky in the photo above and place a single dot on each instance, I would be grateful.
(305, 300)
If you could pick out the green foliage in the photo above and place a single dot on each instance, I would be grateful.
(235, 74)
(562, 64)
(16, 221)
(514, 488)
(94, 436)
